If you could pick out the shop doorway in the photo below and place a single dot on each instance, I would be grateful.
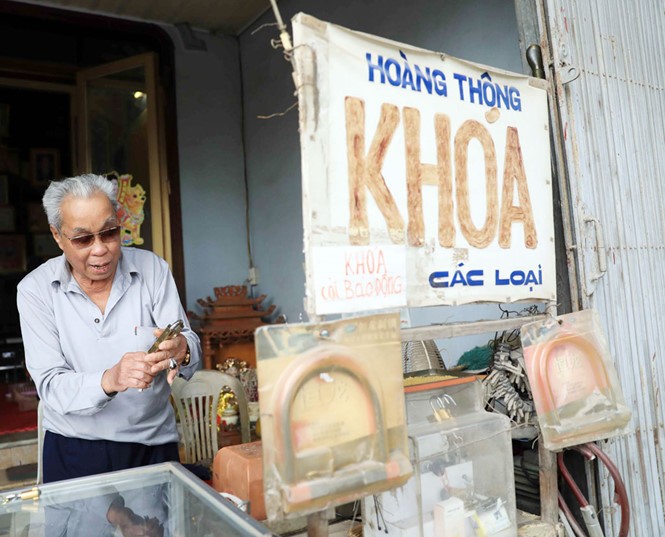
(68, 113)
(121, 134)
(36, 143)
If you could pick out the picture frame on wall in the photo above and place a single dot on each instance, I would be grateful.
(4, 120)
(44, 166)
(7, 221)
(12, 254)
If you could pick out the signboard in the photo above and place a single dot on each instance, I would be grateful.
(426, 179)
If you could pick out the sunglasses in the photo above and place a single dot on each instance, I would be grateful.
(84, 241)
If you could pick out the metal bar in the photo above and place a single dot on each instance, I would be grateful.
(569, 265)
(443, 331)
(283, 31)
(527, 27)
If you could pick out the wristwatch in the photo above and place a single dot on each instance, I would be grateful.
(187, 357)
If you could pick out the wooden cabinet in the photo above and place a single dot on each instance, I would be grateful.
(227, 324)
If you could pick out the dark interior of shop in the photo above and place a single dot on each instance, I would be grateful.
(41, 50)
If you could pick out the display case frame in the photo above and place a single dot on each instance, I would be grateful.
(188, 506)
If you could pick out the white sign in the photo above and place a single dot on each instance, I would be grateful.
(353, 278)
(443, 163)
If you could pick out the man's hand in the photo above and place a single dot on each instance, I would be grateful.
(132, 371)
(138, 369)
(174, 349)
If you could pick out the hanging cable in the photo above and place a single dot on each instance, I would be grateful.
(619, 488)
(591, 451)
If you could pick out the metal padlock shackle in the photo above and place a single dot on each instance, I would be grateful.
(440, 404)
(314, 362)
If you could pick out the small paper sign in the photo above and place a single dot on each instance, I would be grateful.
(354, 278)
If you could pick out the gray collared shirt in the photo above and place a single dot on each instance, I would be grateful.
(69, 344)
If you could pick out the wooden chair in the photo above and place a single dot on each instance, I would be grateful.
(196, 404)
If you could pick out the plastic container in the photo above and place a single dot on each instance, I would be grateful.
(332, 414)
(463, 483)
(461, 395)
(575, 386)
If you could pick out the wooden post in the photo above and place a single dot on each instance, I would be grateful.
(549, 491)
(317, 524)
(549, 487)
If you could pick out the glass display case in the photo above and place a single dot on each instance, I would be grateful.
(158, 500)
(463, 483)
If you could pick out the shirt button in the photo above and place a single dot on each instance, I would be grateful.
(97, 321)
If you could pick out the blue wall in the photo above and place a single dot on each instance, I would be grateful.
(211, 165)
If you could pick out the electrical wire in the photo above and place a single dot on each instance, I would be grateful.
(591, 451)
(570, 481)
(619, 488)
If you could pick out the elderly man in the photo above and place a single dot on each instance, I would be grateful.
(87, 319)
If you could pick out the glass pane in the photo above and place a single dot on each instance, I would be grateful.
(118, 144)
(163, 499)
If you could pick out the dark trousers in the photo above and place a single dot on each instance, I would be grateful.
(67, 458)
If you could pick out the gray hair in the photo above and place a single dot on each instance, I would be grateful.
(81, 186)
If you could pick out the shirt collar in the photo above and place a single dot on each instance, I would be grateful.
(62, 275)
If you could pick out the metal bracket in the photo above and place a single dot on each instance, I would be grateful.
(568, 73)
(600, 247)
